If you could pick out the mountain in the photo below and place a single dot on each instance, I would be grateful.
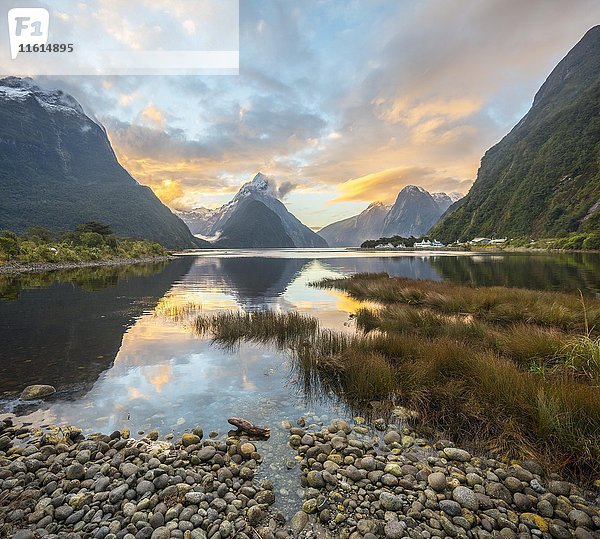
(351, 232)
(59, 170)
(198, 220)
(253, 225)
(444, 201)
(413, 214)
(239, 217)
(543, 178)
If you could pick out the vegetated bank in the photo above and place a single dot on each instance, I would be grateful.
(509, 371)
(90, 244)
(572, 242)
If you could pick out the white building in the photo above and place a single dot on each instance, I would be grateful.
(427, 244)
(480, 241)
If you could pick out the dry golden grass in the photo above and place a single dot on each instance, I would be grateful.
(499, 305)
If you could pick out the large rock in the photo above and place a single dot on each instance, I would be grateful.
(299, 522)
(37, 391)
(437, 481)
(189, 439)
(466, 497)
(454, 453)
(390, 502)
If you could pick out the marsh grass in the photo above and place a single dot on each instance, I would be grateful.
(581, 355)
(515, 384)
(498, 305)
(283, 329)
(177, 311)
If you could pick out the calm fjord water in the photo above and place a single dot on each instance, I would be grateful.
(107, 339)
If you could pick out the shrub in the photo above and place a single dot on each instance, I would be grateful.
(92, 239)
(592, 242)
(9, 248)
(38, 234)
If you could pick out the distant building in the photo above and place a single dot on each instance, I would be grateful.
(480, 241)
(426, 244)
(386, 246)
(487, 241)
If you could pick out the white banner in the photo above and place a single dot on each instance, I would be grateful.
(119, 37)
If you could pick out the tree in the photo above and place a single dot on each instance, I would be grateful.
(96, 227)
(9, 234)
(38, 234)
(9, 247)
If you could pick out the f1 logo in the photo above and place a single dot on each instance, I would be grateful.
(27, 26)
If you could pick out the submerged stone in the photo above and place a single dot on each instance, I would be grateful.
(38, 391)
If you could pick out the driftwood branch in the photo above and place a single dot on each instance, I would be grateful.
(247, 427)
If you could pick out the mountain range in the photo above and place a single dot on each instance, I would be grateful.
(255, 217)
(543, 178)
(59, 170)
(413, 213)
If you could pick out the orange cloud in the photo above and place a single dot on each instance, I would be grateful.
(168, 191)
(385, 185)
(154, 115)
(444, 110)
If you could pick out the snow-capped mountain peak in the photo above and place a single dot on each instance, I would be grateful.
(374, 205)
(414, 188)
(445, 200)
(15, 88)
(259, 185)
(213, 224)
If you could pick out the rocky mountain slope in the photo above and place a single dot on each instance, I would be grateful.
(253, 225)
(271, 222)
(352, 231)
(414, 212)
(543, 178)
(58, 170)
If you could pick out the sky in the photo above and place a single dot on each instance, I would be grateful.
(342, 103)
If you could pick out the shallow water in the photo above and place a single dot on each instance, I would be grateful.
(107, 340)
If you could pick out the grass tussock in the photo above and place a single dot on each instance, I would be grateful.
(498, 305)
(283, 329)
(515, 383)
(173, 310)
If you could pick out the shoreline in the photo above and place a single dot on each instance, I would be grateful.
(42, 267)
(478, 250)
(358, 481)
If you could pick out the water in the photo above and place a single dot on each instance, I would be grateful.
(106, 340)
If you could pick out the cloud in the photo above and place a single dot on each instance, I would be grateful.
(448, 81)
(285, 188)
(356, 102)
(169, 191)
(386, 184)
(154, 115)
